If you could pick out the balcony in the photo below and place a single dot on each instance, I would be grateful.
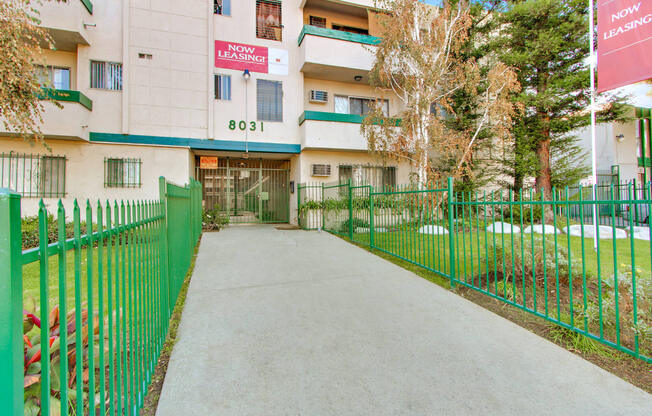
(336, 55)
(69, 122)
(65, 22)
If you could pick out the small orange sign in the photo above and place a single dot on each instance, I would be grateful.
(206, 162)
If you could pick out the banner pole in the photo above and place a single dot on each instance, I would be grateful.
(594, 160)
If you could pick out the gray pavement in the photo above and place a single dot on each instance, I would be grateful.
(303, 323)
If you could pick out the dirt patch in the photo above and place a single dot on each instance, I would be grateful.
(286, 227)
(154, 391)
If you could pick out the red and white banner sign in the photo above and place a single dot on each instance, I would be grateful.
(239, 56)
(624, 42)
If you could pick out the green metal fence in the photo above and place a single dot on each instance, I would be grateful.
(530, 252)
(90, 341)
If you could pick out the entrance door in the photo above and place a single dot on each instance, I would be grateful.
(248, 191)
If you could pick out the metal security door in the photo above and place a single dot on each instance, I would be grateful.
(244, 202)
(248, 191)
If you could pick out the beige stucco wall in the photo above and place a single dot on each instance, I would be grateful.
(85, 170)
(334, 17)
(610, 151)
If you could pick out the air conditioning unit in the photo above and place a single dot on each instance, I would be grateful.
(321, 170)
(318, 96)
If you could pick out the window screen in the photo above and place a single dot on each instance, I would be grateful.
(223, 87)
(106, 75)
(269, 100)
(269, 22)
(223, 7)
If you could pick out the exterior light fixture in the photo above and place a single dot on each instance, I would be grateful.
(246, 75)
(357, 78)
(620, 138)
(87, 25)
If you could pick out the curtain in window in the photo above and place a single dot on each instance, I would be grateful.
(268, 19)
(53, 175)
(106, 75)
(341, 104)
(223, 87)
(269, 100)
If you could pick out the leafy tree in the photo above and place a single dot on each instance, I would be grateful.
(420, 59)
(547, 41)
(21, 42)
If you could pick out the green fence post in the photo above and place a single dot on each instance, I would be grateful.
(371, 217)
(299, 205)
(11, 305)
(162, 189)
(350, 209)
(451, 231)
(323, 209)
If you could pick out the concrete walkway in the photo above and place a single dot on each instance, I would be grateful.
(302, 323)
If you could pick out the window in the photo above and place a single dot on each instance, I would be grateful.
(357, 105)
(269, 22)
(33, 175)
(379, 177)
(122, 173)
(350, 29)
(269, 100)
(223, 87)
(54, 77)
(223, 7)
(318, 21)
(106, 75)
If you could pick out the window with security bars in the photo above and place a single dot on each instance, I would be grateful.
(33, 175)
(222, 7)
(318, 21)
(380, 177)
(223, 87)
(106, 75)
(269, 100)
(269, 21)
(122, 173)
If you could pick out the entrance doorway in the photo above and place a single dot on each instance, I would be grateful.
(247, 190)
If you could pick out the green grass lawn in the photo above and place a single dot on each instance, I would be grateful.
(475, 250)
(32, 286)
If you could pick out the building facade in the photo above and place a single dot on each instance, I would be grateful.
(250, 97)
(622, 149)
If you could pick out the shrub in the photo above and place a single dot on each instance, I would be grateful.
(30, 230)
(357, 222)
(214, 219)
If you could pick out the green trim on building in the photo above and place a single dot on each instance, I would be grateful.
(68, 96)
(197, 144)
(335, 117)
(88, 5)
(337, 34)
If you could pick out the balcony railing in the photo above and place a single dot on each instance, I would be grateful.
(337, 34)
(68, 96)
(336, 117)
(88, 5)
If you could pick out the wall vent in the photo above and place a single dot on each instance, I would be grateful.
(321, 170)
(318, 96)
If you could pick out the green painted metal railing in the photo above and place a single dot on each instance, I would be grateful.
(69, 96)
(105, 297)
(533, 253)
(337, 34)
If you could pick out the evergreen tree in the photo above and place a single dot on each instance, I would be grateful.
(547, 42)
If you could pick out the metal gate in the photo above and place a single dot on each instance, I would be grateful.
(247, 190)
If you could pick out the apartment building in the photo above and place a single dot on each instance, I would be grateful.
(250, 97)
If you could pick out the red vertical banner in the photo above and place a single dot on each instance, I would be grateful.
(624, 42)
